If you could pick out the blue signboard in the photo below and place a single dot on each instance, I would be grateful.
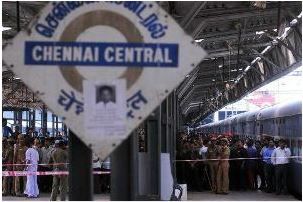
(101, 54)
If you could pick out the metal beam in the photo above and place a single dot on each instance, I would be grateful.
(188, 81)
(185, 22)
(214, 19)
(266, 59)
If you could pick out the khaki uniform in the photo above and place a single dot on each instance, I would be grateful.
(19, 158)
(223, 171)
(8, 156)
(59, 181)
(213, 153)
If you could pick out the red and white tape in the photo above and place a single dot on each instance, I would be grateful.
(41, 164)
(25, 173)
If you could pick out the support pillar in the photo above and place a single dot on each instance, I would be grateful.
(80, 170)
(33, 123)
(53, 125)
(121, 184)
(44, 120)
(57, 125)
(19, 120)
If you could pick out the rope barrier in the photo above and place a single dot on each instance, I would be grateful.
(26, 173)
(40, 164)
(188, 160)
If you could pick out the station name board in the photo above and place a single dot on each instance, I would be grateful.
(101, 54)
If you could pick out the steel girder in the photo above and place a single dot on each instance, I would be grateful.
(282, 56)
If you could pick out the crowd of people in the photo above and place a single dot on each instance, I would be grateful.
(222, 163)
(23, 152)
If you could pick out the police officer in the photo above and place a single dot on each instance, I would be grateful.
(59, 158)
(8, 158)
(213, 153)
(19, 158)
(223, 168)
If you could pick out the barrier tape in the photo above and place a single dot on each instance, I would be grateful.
(233, 159)
(230, 159)
(25, 173)
(40, 164)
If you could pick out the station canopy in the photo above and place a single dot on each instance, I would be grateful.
(248, 43)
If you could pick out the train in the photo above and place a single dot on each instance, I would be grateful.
(282, 121)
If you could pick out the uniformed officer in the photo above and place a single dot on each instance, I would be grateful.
(19, 158)
(59, 158)
(213, 153)
(223, 168)
(8, 158)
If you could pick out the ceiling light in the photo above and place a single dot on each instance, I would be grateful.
(6, 28)
(260, 32)
(199, 40)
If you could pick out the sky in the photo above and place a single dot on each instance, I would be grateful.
(284, 89)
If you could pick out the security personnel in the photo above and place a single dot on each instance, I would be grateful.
(213, 153)
(19, 158)
(59, 158)
(8, 158)
(223, 168)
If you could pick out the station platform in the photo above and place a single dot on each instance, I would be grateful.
(238, 196)
(191, 196)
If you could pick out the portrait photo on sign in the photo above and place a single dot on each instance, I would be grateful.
(105, 107)
(106, 94)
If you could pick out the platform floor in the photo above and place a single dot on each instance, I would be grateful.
(192, 196)
(239, 196)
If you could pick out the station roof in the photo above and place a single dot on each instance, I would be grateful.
(248, 43)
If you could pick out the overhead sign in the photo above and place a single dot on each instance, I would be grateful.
(74, 47)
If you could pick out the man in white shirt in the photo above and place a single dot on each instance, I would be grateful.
(32, 158)
(280, 159)
(203, 150)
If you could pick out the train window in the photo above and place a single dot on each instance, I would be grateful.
(283, 121)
